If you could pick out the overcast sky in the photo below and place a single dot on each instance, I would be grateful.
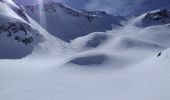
(122, 7)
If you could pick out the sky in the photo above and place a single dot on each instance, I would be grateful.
(118, 7)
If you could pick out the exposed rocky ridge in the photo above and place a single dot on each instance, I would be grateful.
(52, 7)
(157, 17)
(10, 29)
(20, 11)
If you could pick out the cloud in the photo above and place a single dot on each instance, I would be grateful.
(127, 7)
(114, 6)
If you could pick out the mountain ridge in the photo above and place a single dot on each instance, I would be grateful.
(78, 23)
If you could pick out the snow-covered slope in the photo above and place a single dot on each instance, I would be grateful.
(67, 23)
(20, 35)
(124, 46)
(126, 63)
(17, 38)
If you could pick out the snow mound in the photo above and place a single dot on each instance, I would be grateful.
(97, 59)
(93, 40)
(159, 34)
(96, 40)
(130, 42)
(101, 60)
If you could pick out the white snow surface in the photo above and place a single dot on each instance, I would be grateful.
(123, 66)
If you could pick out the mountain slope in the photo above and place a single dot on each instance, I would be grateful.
(67, 24)
(21, 36)
(126, 63)
(17, 38)
(157, 17)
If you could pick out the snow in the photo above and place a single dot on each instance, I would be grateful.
(92, 40)
(89, 60)
(148, 80)
(67, 24)
(120, 64)
(10, 48)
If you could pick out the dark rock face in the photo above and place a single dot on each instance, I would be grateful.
(11, 28)
(20, 11)
(96, 13)
(159, 15)
(156, 18)
(26, 40)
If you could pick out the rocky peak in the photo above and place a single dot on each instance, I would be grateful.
(94, 13)
(157, 17)
(160, 15)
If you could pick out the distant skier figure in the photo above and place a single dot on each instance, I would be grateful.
(159, 54)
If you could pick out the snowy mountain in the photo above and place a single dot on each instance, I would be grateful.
(68, 24)
(20, 35)
(130, 62)
(157, 17)
(16, 36)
